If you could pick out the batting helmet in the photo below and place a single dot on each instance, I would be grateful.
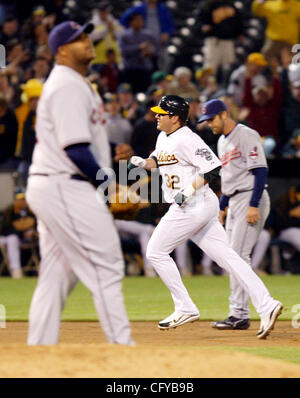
(173, 105)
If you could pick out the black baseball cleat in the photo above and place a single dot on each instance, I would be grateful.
(231, 323)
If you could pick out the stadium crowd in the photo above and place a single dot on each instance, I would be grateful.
(134, 67)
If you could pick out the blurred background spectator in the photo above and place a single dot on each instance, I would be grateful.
(18, 226)
(105, 35)
(282, 17)
(158, 20)
(221, 23)
(139, 50)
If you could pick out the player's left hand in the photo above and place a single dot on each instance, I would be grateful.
(252, 215)
(184, 195)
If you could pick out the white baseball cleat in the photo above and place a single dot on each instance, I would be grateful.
(177, 319)
(267, 324)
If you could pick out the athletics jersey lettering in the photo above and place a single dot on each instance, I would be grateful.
(165, 159)
(228, 156)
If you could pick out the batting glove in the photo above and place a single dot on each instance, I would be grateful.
(136, 161)
(184, 195)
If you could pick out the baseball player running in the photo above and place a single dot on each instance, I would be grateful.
(243, 181)
(187, 165)
(78, 239)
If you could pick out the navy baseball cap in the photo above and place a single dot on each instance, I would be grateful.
(211, 108)
(66, 32)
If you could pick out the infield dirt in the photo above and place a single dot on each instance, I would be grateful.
(193, 350)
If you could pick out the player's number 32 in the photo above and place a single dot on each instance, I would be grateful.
(172, 181)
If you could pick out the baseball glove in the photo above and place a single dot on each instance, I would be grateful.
(125, 203)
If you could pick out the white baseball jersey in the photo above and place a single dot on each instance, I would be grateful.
(240, 151)
(67, 90)
(176, 153)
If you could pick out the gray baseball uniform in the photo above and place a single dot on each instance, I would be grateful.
(240, 152)
(78, 238)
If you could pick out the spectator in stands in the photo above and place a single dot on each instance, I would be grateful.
(158, 20)
(56, 11)
(10, 30)
(194, 114)
(139, 50)
(110, 72)
(37, 17)
(212, 90)
(255, 62)
(18, 60)
(106, 33)
(41, 69)
(31, 89)
(264, 104)
(201, 77)
(155, 93)
(129, 105)
(31, 93)
(19, 226)
(161, 80)
(221, 24)
(144, 135)
(118, 128)
(7, 91)
(182, 84)
(292, 148)
(8, 136)
(283, 17)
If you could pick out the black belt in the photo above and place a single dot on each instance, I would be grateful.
(72, 176)
(247, 190)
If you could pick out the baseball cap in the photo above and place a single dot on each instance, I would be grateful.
(211, 108)
(31, 89)
(257, 58)
(66, 32)
(110, 97)
(124, 88)
(200, 72)
(39, 10)
(158, 76)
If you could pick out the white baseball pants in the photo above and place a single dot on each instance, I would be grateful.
(12, 243)
(200, 224)
(78, 241)
(242, 238)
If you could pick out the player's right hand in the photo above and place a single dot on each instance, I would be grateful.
(222, 217)
(136, 161)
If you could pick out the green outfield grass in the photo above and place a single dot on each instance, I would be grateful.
(148, 299)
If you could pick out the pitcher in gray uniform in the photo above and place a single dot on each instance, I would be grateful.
(77, 235)
(243, 184)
